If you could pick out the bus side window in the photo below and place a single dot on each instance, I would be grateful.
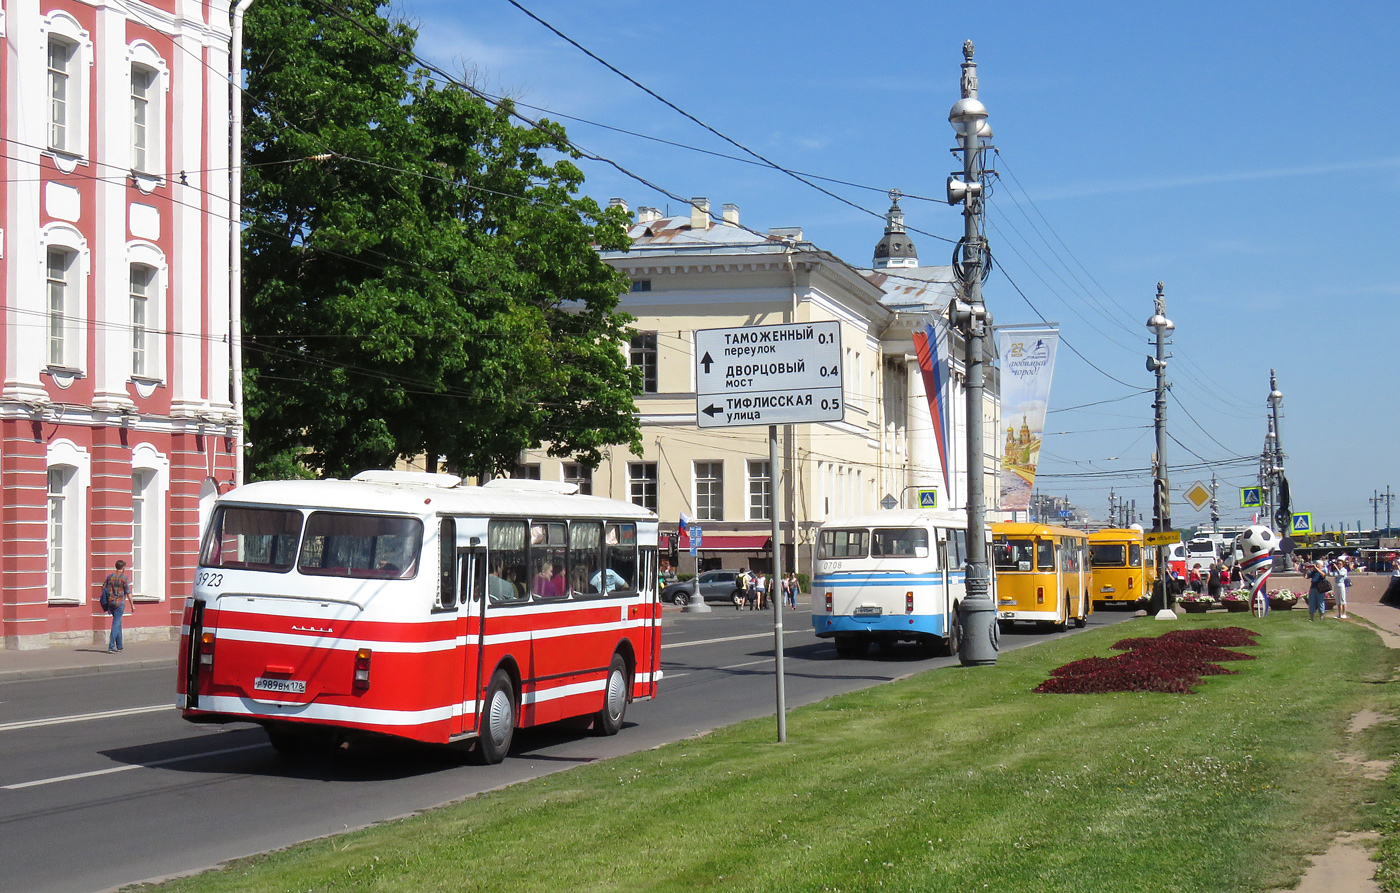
(960, 547)
(447, 564)
(943, 552)
(1045, 555)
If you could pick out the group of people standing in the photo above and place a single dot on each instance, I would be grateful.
(1215, 578)
(754, 589)
(1324, 576)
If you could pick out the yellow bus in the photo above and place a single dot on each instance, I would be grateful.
(1042, 574)
(1118, 574)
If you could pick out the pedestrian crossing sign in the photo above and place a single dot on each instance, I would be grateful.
(1251, 497)
(1302, 522)
(928, 499)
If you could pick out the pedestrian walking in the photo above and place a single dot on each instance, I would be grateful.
(745, 590)
(1340, 581)
(790, 587)
(1213, 582)
(1392, 592)
(1317, 592)
(116, 597)
(760, 590)
(1193, 579)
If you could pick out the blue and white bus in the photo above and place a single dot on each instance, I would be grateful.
(889, 577)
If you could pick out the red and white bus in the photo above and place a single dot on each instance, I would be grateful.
(406, 604)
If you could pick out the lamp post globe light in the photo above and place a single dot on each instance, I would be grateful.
(977, 628)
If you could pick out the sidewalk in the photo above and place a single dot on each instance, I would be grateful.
(76, 660)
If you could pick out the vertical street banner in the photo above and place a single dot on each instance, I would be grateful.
(930, 348)
(1027, 365)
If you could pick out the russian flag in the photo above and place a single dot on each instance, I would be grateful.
(934, 375)
(685, 523)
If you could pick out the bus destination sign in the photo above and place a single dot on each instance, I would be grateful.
(768, 375)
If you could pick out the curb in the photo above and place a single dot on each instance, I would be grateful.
(93, 669)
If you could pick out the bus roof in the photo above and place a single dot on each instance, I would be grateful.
(1116, 534)
(905, 517)
(419, 498)
(1026, 528)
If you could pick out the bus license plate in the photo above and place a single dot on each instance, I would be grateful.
(868, 611)
(292, 686)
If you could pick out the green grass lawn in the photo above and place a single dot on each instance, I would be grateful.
(955, 779)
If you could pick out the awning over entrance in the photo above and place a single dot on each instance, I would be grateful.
(728, 542)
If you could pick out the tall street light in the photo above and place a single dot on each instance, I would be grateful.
(1162, 488)
(977, 632)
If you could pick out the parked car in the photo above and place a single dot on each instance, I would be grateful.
(714, 586)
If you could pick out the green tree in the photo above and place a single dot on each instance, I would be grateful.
(421, 276)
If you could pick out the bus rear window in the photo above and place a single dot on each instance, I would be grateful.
(1013, 555)
(854, 543)
(367, 546)
(1108, 555)
(251, 539)
(899, 542)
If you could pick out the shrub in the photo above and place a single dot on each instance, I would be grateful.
(1173, 662)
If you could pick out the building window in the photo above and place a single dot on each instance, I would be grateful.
(526, 472)
(709, 491)
(142, 493)
(59, 526)
(760, 491)
(580, 476)
(63, 105)
(641, 285)
(641, 484)
(143, 118)
(61, 263)
(643, 356)
(142, 278)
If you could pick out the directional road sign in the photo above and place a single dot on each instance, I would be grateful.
(1162, 538)
(696, 535)
(1251, 497)
(1198, 494)
(768, 375)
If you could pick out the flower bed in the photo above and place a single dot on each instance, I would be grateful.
(1172, 662)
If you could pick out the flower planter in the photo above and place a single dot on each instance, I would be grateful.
(1196, 607)
(1236, 607)
(1282, 604)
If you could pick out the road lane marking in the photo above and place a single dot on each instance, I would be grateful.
(765, 635)
(752, 663)
(82, 717)
(148, 765)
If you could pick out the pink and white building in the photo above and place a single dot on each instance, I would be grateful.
(117, 418)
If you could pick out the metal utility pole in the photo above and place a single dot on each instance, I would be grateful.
(977, 633)
(1161, 490)
(1283, 510)
(1112, 508)
(1214, 506)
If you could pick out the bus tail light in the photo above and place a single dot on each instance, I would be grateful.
(1040, 595)
(1130, 582)
(206, 649)
(909, 603)
(828, 603)
(362, 668)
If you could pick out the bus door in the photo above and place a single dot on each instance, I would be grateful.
(1048, 574)
(471, 569)
(944, 587)
(649, 663)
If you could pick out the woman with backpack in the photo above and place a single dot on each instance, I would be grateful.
(116, 596)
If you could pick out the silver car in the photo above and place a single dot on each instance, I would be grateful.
(713, 586)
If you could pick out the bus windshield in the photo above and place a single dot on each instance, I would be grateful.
(1013, 555)
(252, 539)
(340, 544)
(899, 542)
(1108, 555)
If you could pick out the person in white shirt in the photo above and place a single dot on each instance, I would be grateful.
(1340, 584)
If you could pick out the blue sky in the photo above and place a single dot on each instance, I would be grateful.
(1247, 155)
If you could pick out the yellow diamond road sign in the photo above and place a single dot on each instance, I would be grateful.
(1198, 494)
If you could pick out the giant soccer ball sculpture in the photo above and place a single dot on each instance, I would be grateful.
(1256, 546)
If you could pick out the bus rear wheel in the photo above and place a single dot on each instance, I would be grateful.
(608, 721)
(851, 645)
(950, 644)
(496, 727)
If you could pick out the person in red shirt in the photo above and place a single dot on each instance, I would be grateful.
(116, 597)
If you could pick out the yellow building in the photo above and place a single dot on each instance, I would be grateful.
(695, 272)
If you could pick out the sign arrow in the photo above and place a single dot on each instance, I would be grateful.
(712, 410)
(705, 361)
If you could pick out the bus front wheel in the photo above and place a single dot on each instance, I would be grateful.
(950, 644)
(497, 723)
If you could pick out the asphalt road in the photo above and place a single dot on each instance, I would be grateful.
(102, 784)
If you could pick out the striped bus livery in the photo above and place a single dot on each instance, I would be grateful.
(408, 605)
